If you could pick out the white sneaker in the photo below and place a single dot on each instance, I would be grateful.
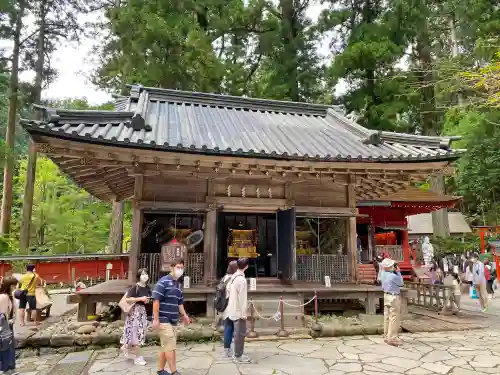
(243, 359)
(140, 361)
(227, 353)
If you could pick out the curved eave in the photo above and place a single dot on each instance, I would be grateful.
(34, 130)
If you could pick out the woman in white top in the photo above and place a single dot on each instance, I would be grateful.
(228, 323)
(7, 307)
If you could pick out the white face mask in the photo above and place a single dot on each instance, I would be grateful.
(144, 278)
(178, 272)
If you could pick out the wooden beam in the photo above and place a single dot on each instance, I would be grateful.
(210, 247)
(172, 206)
(352, 248)
(136, 235)
(102, 152)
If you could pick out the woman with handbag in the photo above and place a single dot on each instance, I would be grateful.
(134, 304)
(7, 311)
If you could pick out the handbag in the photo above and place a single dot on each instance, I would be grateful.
(124, 305)
(21, 293)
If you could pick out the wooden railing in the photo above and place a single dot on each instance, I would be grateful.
(395, 251)
(435, 297)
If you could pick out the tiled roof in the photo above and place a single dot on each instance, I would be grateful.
(173, 120)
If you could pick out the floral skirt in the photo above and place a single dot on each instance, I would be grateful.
(134, 331)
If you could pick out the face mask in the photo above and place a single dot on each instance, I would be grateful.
(144, 278)
(178, 272)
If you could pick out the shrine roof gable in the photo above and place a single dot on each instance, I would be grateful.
(171, 120)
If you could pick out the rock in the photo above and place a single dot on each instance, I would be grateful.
(76, 325)
(87, 329)
(105, 339)
(83, 340)
(27, 353)
(38, 340)
(62, 340)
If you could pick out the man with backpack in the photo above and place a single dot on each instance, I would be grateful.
(221, 302)
(237, 309)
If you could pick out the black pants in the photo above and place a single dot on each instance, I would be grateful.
(489, 286)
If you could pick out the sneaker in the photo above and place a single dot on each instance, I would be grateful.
(485, 310)
(242, 359)
(227, 353)
(140, 361)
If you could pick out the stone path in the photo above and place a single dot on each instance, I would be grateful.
(456, 353)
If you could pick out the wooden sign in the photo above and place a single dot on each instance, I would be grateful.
(171, 251)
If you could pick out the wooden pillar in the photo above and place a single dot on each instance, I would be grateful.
(136, 235)
(406, 245)
(210, 247)
(352, 248)
(115, 240)
(29, 190)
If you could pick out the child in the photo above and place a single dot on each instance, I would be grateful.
(457, 292)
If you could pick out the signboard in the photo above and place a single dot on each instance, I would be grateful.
(253, 284)
(328, 282)
(171, 251)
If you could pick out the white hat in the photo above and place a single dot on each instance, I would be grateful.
(387, 263)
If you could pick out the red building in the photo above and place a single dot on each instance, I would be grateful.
(383, 226)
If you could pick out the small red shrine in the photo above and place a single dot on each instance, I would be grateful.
(386, 220)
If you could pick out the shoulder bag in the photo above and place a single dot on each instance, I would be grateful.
(22, 293)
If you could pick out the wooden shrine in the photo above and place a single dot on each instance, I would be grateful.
(267, 162)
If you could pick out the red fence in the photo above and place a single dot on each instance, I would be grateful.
(67, 268)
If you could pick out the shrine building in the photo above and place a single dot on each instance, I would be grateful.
(286, 184)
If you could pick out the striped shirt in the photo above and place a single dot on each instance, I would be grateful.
(168, 292)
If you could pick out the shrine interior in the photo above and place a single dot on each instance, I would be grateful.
(161, 228)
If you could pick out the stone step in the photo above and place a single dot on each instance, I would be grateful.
(72, 364)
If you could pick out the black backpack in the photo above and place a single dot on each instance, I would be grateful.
(221, 298)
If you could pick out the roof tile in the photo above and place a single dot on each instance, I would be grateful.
(199, 122)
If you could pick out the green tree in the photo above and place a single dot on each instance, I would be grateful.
(66, 219)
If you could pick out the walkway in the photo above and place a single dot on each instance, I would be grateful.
(457, 353)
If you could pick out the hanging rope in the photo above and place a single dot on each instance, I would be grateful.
(302, 305)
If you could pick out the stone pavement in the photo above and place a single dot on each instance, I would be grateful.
(456, 353)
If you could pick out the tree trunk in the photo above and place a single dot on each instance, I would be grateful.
(8, 175)
(454, 50)
(440, 221)
(289, 35)
(29, 186)
(116, 231)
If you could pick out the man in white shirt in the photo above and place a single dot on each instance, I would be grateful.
(237, 309)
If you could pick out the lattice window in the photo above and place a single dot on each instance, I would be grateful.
(315, 267)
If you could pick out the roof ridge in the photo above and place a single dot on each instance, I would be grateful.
(60, 117)
(231, 101)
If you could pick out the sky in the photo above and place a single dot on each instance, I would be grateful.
(74, 63)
